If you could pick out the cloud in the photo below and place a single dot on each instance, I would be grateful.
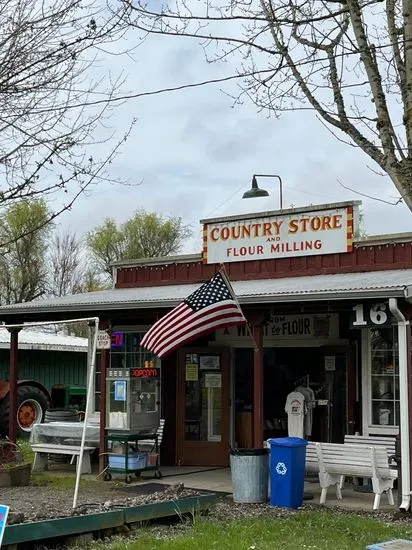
(194, 154)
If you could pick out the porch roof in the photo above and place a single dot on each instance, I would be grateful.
(32, 340)
(372, 284)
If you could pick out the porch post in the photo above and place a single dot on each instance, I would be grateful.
(104, 365)
(257, 331)
(404, 383)
(14, 376)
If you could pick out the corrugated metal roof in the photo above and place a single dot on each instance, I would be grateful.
(375, 284)
(30, 339)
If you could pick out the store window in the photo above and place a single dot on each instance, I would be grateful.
(126, 352)
(384, 376)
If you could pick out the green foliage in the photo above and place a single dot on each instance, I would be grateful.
(59, 480)
(106, 244)
(144, 235)
(35, 261)
(24, 234)
(320, 530)
(26, 450)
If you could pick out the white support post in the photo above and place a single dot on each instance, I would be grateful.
(403, 402)
(90, 386)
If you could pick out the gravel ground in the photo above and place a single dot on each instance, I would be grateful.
(34, 503)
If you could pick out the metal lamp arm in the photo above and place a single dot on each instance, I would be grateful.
(280, 185)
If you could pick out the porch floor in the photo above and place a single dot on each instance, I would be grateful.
(219, 480)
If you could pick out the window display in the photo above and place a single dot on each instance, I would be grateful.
(203, 397)
(384, 376)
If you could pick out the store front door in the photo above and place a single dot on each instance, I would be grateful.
(203, 407)
(339, 393)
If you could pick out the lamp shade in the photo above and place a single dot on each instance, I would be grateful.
(255, 191)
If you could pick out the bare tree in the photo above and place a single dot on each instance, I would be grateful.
(49, 83)
(66, 263)
(348, 60)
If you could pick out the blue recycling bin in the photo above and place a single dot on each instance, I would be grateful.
(287, 471)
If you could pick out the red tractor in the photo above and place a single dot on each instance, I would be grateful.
(32, 402)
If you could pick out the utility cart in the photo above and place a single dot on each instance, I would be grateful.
(129, 459)
(133, 416)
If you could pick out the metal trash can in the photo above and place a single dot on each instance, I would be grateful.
(287, 471)
(250, 474)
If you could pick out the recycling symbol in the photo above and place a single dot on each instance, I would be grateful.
(281, 468)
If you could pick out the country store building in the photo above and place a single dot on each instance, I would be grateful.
(326, 311)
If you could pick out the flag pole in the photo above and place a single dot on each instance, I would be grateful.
(225, 276)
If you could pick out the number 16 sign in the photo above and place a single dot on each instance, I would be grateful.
(367, 315)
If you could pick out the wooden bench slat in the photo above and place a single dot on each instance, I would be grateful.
(388, 442)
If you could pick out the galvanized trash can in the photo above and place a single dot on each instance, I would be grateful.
(250, 474)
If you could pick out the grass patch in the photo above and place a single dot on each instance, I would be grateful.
(320, 530)
(58, 480)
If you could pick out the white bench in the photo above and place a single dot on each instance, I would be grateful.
(152, 442)
(42, 450)
(312, 461)
(337, 460)
(388, 442)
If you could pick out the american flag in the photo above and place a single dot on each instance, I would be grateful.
(210, 307)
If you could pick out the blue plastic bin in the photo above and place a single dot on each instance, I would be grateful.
(287, 471)
(135, 461)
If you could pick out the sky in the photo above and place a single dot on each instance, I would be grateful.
(192, 153)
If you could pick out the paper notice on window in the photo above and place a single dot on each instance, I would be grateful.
(192, 373)
(213, 380)
(330, 362)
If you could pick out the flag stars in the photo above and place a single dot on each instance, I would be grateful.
(210, 293)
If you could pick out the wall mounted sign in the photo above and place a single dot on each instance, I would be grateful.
(287, 327)
(192, 372)
(117, 339)
(144, 373)
(103, 340)
(279, 236)
(213, 380)
(371, 315)
(209, 362)
(330, 363)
